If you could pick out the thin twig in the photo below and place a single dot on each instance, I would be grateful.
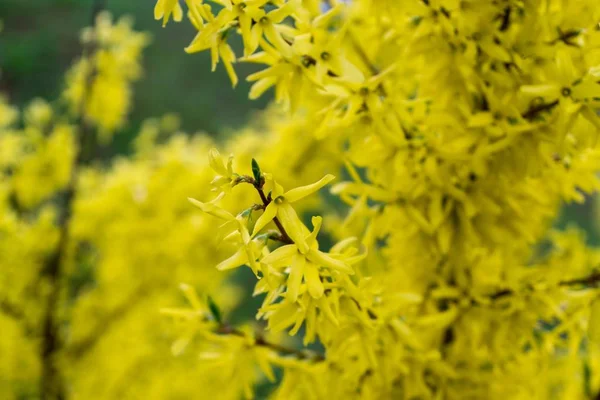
(284, 237)
(301, 354)
(535, 110)
(592, 280)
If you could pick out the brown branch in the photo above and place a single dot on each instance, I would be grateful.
(535, 110)
(592, 280)
(52, 386)
(284, 237)
(301, 354)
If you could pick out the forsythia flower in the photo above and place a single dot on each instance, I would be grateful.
(102, 80)
(281, 207)
(464, 126)
(165, 8)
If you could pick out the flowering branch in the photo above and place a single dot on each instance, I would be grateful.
(590, 281)
(301, 354)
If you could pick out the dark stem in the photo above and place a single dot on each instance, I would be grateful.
(592, 280)
(260, 341)
(284, 237)
(535, 110)
(52, 386)
(506, 19)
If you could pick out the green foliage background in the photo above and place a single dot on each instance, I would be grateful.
(40, 40)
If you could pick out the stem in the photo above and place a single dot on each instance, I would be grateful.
(533, 111)
(592, 280)
(284, 238)
(260, 341)
(52, 386)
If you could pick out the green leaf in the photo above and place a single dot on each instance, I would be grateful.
(256, 172)
(214, 310)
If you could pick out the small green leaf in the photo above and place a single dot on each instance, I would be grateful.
(256, 172)
(214, 310)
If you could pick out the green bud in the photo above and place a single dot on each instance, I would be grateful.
(256, 172)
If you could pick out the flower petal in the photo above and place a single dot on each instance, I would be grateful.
(267, 216)
(293, 226)
(325, 260)
(237, 260)
(303, 191)
(313, 281)
(281, 256)
(295, 279)
(212, 209)
(317, 222)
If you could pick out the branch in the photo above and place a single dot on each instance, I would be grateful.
(51, 383)
(283, 237)
(591, 281)
(301, 354)
(535, 110)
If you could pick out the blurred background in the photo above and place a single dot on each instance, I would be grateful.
(41, 39)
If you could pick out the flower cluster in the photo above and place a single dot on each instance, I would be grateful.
(463, 126)
(301, 283)
(98, 86)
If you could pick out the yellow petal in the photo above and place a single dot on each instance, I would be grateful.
(541, 90)
(212, 210)
(304, 191)
(283, 316)
(237, 260)
(313, 281)
(325, 260)
(216, 162)
(267, 216)
(159, 10)
(281, 256)
(191, 296)
(295, 279)
(261, 86)
(316, 221)
(292, 225)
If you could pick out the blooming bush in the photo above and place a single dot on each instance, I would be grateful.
(459, 128)
(392, 209)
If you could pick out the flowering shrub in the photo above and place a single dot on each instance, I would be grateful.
(393, 211)
(459, 128)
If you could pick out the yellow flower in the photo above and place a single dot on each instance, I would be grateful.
(266, 23)
(248, 252)
(225, 179)
(212, 209)
(219, 49)
(281, 207)
(305, 264)
(165, 8)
